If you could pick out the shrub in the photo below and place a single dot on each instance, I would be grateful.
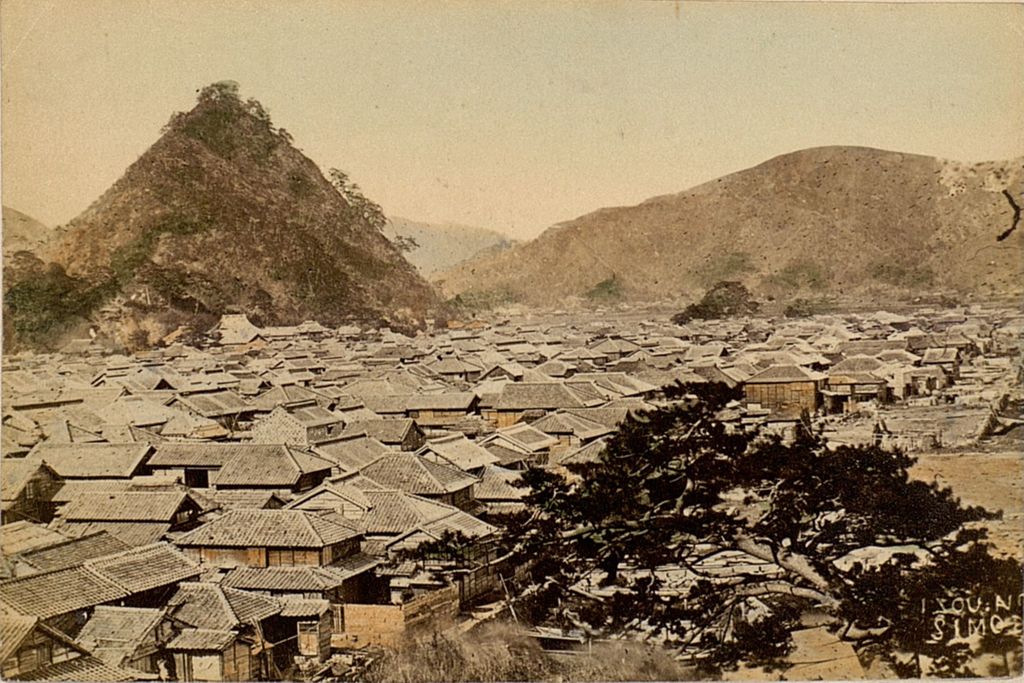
(725, 299)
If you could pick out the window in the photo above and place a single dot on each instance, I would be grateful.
(197, 479)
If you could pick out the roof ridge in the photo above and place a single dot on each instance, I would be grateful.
(219, 592)
(309, 524)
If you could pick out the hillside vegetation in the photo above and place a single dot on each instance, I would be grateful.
(839, 220)
(221, 214)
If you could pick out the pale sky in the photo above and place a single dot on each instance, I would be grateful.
(508, 115)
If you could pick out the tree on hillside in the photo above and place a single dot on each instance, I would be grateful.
(405, 243)
(721, 541)
(726, 298)
(365, 209)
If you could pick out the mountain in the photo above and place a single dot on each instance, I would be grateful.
(221, 214)
(836, 220)
(22, 233)
(442, 246)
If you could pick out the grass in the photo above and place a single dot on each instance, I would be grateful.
(504, 652)
(606, 290)
(727, 266)
(892, 273)
(799, 274)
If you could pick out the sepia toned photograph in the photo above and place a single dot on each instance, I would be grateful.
(564, 341)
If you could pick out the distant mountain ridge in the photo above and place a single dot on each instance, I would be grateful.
(826, 220)
(444, 245)
(22, 232)
(221, 214)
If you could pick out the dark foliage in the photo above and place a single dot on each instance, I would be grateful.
(726, 299)
(42, 304)
(842, 532)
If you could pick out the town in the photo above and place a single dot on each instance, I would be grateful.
(255, 504)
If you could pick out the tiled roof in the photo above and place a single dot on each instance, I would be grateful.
(396, 512)
(134, 534)
(506, 456)
(567, 423)
(352, 453)
(781, 374)
(386, 431)
(411, 473)
(74, 489)
(216, 607)
(447, 401)
(331, 495)
(146, 567)
(253, 499)
(112, 634)
(591, 452)
(170, 454)
(539, 395)
(272, 465)
(14, 628)
(92, 460)
(528, 437)
(287, 395)
(269, 528)
(294, 607)
(855, 364)
(459, 451)
(125, 506)
(58, 592)
(498, 483)
(69, 552)
(23, 536)
(85, 668)
(299, 579)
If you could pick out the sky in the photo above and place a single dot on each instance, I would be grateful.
(507, 115)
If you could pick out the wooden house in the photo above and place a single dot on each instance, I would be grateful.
(31, 650)
(947, 358)
(307, 426)
(525, 438)
(420, 476)
(224, 406)
(237, 466)
(352, 580)
(127, 637)
(94, 460)
(455, 369)
(65, 598)
(271, 538)
(237, 333)
(122, 513)
(499, 491)
(400, 434)
(785, 390)
(571, 431)
(226, 635)
(456, 449)
(521, 400)
(27, 490)
(441, 410)
(852, 381)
